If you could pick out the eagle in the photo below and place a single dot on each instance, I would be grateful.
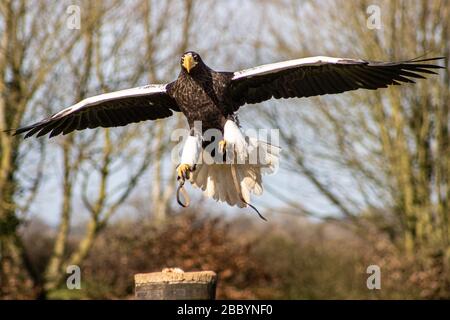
(213, 98)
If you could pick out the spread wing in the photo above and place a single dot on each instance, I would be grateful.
(322, 75)
(107, 110)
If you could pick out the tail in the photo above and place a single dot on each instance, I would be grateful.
(217, 180)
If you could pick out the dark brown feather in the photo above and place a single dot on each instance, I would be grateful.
(306, 81)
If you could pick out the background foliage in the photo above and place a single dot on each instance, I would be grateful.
(364, 177)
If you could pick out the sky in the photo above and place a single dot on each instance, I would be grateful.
(236, 34)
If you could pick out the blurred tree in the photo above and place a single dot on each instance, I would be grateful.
(385, 153)
(37, 48)
(98, 159)
(32, 44)
(380, 158)
(191, 241)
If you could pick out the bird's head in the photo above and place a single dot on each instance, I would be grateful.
(190, 61)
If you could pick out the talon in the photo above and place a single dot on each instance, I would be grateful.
(222, 146)
(183, 171)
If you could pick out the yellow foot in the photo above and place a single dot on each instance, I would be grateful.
(183, 171)
(222, 146)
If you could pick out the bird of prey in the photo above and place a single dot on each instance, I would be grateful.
(213, 97)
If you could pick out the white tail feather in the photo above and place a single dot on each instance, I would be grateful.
(216, 180)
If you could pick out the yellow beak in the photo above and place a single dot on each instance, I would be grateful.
(188, 62)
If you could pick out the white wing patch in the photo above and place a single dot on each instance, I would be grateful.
(191, 150)
(275, 67)
(92, 101)
(235, 140)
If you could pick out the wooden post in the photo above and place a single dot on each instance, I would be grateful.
(175, 284)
